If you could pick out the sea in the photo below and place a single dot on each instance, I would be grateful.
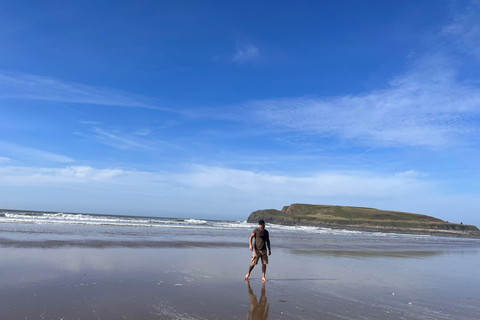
(54, 229)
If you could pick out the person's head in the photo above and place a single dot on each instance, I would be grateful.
(261, 223)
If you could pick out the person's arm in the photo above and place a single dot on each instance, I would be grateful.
(250, 241)
(268, 245)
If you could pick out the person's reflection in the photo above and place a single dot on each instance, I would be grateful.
(259, 310)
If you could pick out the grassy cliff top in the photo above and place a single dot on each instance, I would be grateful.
(353, 213)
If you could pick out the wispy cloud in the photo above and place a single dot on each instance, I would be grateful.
(420, 108)
(41, 176)
(27, 153)
(143, 132)
(138, 140)
(464, 31)
(428, 105)
(118, 140)
(245, 52)
(91, 122)
(33, 87)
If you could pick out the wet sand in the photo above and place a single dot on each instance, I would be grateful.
(206, 282)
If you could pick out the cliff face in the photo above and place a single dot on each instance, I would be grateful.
(270, 216)
(358, 218)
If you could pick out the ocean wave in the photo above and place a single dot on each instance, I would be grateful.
(99, 220)
(60, 218)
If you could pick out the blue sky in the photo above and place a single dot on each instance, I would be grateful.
(216, 109)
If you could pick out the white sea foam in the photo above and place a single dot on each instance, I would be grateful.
(195, 221)
(99, 220)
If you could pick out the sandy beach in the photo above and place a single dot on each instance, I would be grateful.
(101, 275)
(206, 283)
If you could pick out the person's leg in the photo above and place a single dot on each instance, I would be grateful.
(264, 265)
(264, 271)
(254, 261)
(249, 271)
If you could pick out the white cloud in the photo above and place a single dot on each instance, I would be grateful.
(427, 106)
(224, 193)
(212, 179)
(464, 31)
(125, 141)
(28, 153)
(118, 140)
(143, 132)
(33, 87)
(4, 159)
(321, 184)
(38, 176)
(91, 122)
(410, 174)
(245, 52)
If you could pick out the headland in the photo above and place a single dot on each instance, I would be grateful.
(362, 219)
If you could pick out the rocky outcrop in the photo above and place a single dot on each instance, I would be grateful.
(270, 216)
(360, 218)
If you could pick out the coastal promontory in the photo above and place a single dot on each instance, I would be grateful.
(362, 219)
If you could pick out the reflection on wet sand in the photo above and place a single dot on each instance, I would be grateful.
(258, 309)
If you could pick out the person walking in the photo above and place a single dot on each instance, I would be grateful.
(262, 242)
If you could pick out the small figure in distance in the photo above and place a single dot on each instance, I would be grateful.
(262, 241)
